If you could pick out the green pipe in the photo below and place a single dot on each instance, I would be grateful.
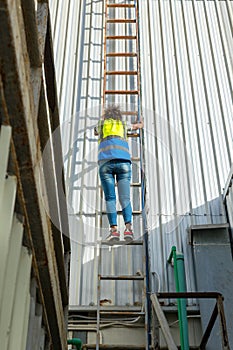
(180, 282)
(75, 341)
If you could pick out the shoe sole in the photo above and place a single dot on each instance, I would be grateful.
(113, 239)
(128, 238)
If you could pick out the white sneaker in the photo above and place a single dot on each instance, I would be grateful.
(128, 235)
(113, 236)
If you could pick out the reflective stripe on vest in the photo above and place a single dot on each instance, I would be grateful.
(107, 148)
(113, 148)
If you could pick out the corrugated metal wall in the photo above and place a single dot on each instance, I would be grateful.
(186, 77)
(190, 140)
(15, 260)
(228, 199)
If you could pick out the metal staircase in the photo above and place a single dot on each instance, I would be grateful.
(122, 87)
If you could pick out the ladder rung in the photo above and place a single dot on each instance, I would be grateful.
(121, 54)
(93, 308)
(115, 347)
(134, 242)
(117, 72)
(135, 212)
(122, 278)
(121, 20)
(127, 37)
(94, 243)
(133, 134)
(121, 5)
(121, 92)
(133, 184)
(129, 113)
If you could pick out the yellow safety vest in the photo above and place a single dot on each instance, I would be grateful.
(113, 140)
(112, 127)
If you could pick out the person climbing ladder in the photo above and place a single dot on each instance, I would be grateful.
(114, 162)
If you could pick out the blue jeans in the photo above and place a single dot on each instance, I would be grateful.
(121, 170)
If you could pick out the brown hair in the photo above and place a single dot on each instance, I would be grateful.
(112, 112)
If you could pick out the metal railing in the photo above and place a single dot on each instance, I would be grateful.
(217, 311)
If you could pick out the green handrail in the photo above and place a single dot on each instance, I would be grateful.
(75, 341)
(179, 272)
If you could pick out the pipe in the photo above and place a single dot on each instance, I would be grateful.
(75, 341)
(179, 272)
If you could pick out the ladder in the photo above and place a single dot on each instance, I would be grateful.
(121, 86)
(121, 56)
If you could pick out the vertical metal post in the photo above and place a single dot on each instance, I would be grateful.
(163, 323)
(98, 299)
(223, 327)
(179, 272)
(145, 234)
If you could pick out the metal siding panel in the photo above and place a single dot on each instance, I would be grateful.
(37, 319)
(25, 321)
(20, 309)
(9, 286)
(6, 217)
(186, 95)
(212, 250)
(31, 323)
(229, 206)
(36, 334)
(42, 339)
(203, 168)
(5, 136)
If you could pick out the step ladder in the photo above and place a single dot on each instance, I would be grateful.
(121, 86)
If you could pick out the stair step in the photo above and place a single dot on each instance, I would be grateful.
(121, 92)
(121, 20)
(121, 278)
(121, 37)
(126, 72)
